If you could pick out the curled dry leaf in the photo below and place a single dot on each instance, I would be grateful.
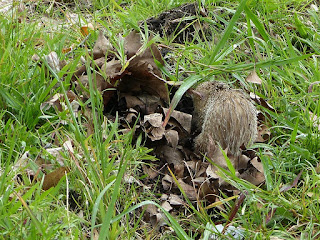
(254, 78)
(261, 101)
(166, 206)
(180, 119)
(56, 153)
(257, 164)
(155, 131)
(143, 69)
(53, 178)
(95, 65)
(146, 103)
(253, 176)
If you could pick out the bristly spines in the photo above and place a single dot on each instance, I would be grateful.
(224, 115)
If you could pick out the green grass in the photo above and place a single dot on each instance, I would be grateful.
(280, 39)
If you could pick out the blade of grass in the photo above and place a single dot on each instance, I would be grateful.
(227, 32)
(31, 215)
(105, 228)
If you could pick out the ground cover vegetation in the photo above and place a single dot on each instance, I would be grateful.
(96, 108)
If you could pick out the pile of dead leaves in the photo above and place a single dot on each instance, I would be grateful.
(138, 84)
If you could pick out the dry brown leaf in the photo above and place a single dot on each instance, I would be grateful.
(208, 191)
(189, 190)
(155, 119)
(182, 119)
(156, 130)
(164, 197)
(166, 206)
(150, 172)
(56, 153)
(146, 103)
(172, 138)
(211, 172)
(57, 101)
(254, 78)
(257, 164)
(101, 47)
(253, 176)
(261, 101)
(243, 162)
(95, 65)
(143, 69)
(86, 28)
(172, 156)
(113, 70)
(167, 182)
(175, 200)
(53, 178)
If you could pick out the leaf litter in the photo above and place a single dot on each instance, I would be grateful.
(138, 85)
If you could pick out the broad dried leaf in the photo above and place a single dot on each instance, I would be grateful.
(58, 102)
(211, 172)
(208, 191)
(167, 182)
(56, 153)
(150, 172)
(146, 103)
(172, 156)
(113, 70)
(95, 65)
(254, 78)
(154, 119)
(145, 75)
(172, 138)
(53, 178)
(189, 190)
(183, 119)
(257, 164)
(175, 200)
(243, 162)
(153, 124)
(101, 47)
(166, 205)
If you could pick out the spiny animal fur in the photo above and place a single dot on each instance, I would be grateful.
(224, 115)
